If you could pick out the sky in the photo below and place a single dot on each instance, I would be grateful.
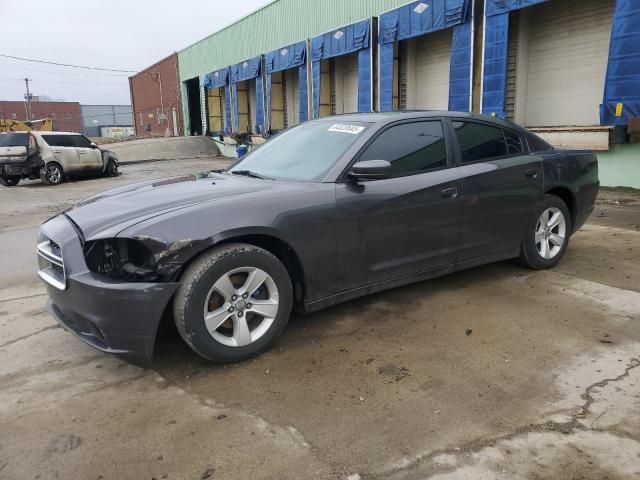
(116, 34)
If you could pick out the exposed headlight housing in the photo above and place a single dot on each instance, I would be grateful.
(121, 259)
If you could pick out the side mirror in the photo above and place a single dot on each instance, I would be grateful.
(94, 145)
(371, 170)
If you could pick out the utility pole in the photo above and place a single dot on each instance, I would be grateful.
(27, 97)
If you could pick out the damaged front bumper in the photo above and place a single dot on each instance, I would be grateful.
(114, 317)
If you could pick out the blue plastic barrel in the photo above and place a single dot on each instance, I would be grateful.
(241, 150)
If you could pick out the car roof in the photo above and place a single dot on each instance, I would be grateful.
(40, 132)
(388, 117)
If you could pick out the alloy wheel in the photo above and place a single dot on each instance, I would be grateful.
(241, 306)
(53, 174)
(550, 234)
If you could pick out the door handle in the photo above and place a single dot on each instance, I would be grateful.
(533, 173)
(57, 151)
(449, 192)
(82, 153)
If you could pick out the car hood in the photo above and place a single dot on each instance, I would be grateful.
(108, 213)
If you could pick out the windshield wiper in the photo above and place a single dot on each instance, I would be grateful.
(250, 173)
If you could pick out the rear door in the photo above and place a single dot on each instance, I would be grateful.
(405, 224)
(502, 183)
(90, 156)
(64, 151)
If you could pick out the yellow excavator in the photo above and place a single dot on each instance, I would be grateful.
(7, 125)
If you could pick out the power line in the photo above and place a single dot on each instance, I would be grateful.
(66, 64)
(63, 82)
(81, 74)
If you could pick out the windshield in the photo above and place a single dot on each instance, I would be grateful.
(14, 140)
(304, 153)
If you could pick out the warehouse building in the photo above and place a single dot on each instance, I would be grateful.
(568, 69)
(156, 101)
(66, 116)
(104, 120)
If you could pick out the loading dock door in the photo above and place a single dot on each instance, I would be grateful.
(568, 49)
(278, 120)
(215, 109)
(349, 65)
(193, 104)
(242, 91)
(292, 96)
(432, 65)
(326, 82)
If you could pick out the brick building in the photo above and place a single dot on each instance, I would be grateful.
(155, 99)
(66, 115)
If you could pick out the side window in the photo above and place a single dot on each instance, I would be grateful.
(479, 141)
(536, 144)
(58, 140)
(80, 141)
(514, 143)
(411, 148)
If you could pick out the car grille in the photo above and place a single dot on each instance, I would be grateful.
(50, 262)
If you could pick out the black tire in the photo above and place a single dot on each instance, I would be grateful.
(52, 174)
(530, 254)
(10, 181)
(198, 281)
(111, 170)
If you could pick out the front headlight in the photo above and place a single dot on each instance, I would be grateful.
(121, 258)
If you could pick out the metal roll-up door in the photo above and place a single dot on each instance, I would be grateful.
(432, 66)
(568, 48)
(349, 65)
(292, 97)
(278, 105)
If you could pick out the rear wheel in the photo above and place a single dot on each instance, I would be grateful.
(234, 301)
(547, 235)
(10, 181)
(52, 174)
(112, 169)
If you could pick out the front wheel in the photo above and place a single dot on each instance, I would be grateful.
(233, 303)
(52, 174)
(112, 169)
(547, 235)
(10, 181)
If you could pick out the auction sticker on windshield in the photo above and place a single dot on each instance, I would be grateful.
(344, 128)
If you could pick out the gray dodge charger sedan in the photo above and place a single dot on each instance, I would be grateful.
(322, 213)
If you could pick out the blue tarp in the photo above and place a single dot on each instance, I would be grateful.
(461, 65)
(216, 79)
(248, 70)
(342, 41)
(497, 7)
(304, 93)
(285, 58)
(622, 84)
(420, 18)
(227, 109)
(495, 65)
(245, 70)
(292, 56)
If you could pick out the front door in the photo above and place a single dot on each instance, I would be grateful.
(90, 156)
(502, 183)
(405, 224)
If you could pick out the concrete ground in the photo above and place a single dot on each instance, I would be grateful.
(497, 372)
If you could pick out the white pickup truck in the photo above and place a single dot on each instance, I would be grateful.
(51, 156)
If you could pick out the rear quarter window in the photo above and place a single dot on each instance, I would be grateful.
(536, 144)
(479, 141)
